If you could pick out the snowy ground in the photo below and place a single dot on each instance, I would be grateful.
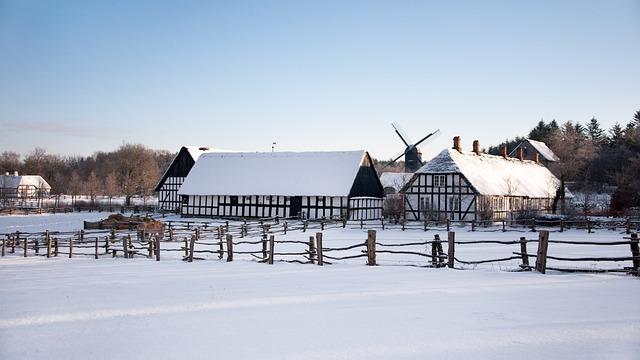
(138, 308)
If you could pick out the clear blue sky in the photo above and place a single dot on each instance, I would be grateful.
(81, 76)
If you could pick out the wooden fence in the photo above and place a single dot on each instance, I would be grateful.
(227, 239)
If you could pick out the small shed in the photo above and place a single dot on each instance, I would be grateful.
(14, 186)
(313, 185)
(173, 177)
(470, 185)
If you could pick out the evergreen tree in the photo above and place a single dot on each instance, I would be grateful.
(596, 133)
(616, 134)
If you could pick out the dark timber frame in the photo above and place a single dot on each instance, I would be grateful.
(172, 179)
(451, 196)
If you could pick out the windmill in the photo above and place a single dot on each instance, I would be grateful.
(412, 155)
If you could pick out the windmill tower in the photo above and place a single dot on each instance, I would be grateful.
(411, 153)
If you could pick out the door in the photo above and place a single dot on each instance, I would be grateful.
(295, 206)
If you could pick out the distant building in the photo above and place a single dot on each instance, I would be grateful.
(14, 186)
(531, 147)
(392, 182)
(470, 185)
(313, 185)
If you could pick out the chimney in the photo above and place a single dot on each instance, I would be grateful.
(521, 154)
(476, 147)
(505, 151)
(456, 143)
(536, 158)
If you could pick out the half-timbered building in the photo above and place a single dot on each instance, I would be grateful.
(470, 185)
(311, 185)
(173, 177)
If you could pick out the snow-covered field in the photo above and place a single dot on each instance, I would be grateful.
(139, 309)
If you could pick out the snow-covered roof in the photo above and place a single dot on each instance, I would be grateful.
(274, 173)
(394, 180)
(13, 182)
(542, 149)
(196, 151)
(495, 175)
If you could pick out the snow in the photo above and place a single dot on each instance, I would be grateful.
(495, 175)
(140, 309)
(394, 180)
(544, 150)
(278, 173)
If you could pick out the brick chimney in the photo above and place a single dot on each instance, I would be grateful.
(505, 151)
(456, 143)
(521, 154)
(476, 147)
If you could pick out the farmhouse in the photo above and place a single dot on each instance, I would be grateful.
(461, 185)
(311, 185)
(14, 186)
(174, 176)
(531, 147)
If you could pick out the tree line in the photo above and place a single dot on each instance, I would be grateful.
(131, 170)
(592, 158)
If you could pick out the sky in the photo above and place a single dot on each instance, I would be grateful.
(81, 76)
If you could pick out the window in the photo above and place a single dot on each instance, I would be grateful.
(439, 180)
(233, 200)
(185, 200)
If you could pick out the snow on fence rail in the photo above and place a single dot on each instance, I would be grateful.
(260, 243)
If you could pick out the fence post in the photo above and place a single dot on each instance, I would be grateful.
(344, 223)
(272, 240)
(312, 251)
(264, 246)
(125, 252)
(403, 221)
(81, 236)
(322, 225)
(229, 247)
(150, 248)
(543, 245)
(47, 241)
(533, 224)
(96, 248)
(561, 225)
(186, 248)
(434, 250)
(371, 247)
(628, 226)
(192, 245)
(425, 225)
(13, 243)
(4, 246)
(448, 225)
(523, 254)
(635, 252)
(55, 248)
(304, 226)
(319, 249)
(504, 226)
(157, 248)
(451, 246)
(382, 223)
(285, 227)
(36, 246)
(589, 226)
(70, 247)
(473, 225)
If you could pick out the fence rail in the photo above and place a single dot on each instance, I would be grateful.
(261, 240)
